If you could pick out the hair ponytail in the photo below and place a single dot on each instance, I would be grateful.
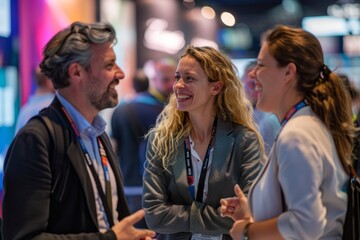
(331, 102)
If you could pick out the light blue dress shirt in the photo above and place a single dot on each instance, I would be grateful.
(89, 133)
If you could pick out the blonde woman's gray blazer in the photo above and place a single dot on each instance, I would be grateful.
(170, 209)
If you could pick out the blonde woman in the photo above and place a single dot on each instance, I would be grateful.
(204, 142)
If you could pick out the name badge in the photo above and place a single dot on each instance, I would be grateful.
(198, 236)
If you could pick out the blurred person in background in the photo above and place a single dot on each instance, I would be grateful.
(355, 96)
(268, 123)
(131, 121)
(42, 97)
(161, 78)
(140, 81)
(127, 131)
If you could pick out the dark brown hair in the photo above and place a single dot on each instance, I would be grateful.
(324, 90)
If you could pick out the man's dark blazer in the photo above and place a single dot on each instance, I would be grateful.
(32, 206)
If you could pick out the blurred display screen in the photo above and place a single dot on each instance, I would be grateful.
(325, 26)
(5, 24)
(8, 101)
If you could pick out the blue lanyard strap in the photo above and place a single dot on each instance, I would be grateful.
(292, 111)
(189, 168)
(106, 200)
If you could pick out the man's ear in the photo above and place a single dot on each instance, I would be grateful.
(75, 71)
(217, 87)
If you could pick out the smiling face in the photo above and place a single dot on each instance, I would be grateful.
(269, 81)
(102, 77)
(194, 93)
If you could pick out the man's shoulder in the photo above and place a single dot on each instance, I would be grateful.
(52, 119)
(138, 102)
(147, 98)
(34, 123)
(33, 131)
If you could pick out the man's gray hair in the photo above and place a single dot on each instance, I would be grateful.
(73, 44)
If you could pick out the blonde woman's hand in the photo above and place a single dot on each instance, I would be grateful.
(236, 207)
(125, 230)
(236, 232)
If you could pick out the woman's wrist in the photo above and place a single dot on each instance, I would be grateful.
(246, 231)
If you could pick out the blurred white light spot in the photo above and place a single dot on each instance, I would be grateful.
(157, 37)
(228, 19)
(208, 12)
(200, 42)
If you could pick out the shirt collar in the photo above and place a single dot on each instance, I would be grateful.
(82, 125)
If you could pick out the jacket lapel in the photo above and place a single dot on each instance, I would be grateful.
(224, 144)
(259, 176)
(224, 147)
(179, 171)
(74, 154)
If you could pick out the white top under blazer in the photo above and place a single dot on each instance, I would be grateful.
(304, 163)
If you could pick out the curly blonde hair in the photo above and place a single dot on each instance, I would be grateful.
(231, 104)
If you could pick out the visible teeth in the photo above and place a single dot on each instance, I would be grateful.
(182, 96)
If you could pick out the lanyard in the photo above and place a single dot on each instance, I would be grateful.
(107, 202)
(189, 168)
(292, 111)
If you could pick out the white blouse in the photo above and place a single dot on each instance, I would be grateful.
(304, 169)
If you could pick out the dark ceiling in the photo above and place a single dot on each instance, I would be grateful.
(262, 14)
(271, 10)
(262, 6)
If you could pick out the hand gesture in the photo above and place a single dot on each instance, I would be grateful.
(236, 207)
(237, 229)
(125, 230)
